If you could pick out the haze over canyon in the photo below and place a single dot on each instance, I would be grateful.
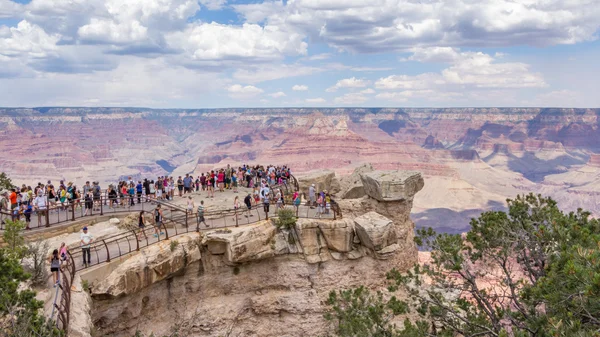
(472, 159)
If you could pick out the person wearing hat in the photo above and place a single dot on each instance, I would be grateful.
(86, 240)
(311, 195)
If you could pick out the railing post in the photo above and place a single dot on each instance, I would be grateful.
(107, 252)
(72, 211)
(166, 232)
(236, 217)
(101, 208)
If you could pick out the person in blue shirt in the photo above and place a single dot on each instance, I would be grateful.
(187, 184)
(138, 188)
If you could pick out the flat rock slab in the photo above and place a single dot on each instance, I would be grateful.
(392, 185)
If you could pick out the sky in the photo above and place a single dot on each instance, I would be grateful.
(300, 53)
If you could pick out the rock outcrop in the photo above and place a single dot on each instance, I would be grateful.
(322, 179)
(253, 280)
(351, 187)
(392, 185)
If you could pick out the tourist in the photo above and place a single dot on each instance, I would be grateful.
(197, 183)
(234, 183)
(54, 266)
(158, 187)
(131, 193)
(203, 181)
(41, 206)
(210, 185)
(221, 180)
(190, 205)
(97, 195)
(279, 200)
(171, 188)
(297, 201)
(63, 252)
(319, 205)
(146, 186)
(86, 239)
(63, 197)
(180, 186)
(248, 202)
(89, 202)
(266, 201)
(327, 202)
(141, 226)
(158, 221)
(139, 188)
(187, 184)
(200, 215)
(311, 195)
(87, 188)
(152, 189)
(13, 199)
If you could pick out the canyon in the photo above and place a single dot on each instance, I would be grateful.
(472, 159)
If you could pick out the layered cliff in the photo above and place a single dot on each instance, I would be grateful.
(258, 280)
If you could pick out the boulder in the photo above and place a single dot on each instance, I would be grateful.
(244, 244)
(114, 221)
(375, 231)
(338, 234)
(323, 180)
(351, 186)
(392, 185)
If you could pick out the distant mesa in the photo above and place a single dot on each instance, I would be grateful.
(432, 143)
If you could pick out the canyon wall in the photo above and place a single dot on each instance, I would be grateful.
(258, 280)
(472, 158)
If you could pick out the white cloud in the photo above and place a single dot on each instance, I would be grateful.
(315, 100)
(9, 8)
(217, 42)
(238, 91)
(367, 91)
(27, 40)
(348, 83)
(261, 73)
(435, 54)
(319, 57)
(108, 31)
(399, 25)
(298, 87)
(470, 70)
(278, 94)
(351, 98)
(213, 4)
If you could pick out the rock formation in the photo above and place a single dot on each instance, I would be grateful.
(257, 280)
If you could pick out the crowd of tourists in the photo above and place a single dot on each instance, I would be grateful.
(22, 202)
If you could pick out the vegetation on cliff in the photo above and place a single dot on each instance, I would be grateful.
(531, 271)
(20, 312)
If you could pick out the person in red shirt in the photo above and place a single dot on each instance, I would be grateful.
(13, 199)
(221, 180)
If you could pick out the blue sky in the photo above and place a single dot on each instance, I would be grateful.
(219, 53)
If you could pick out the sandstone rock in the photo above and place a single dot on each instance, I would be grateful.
(354, 254)
(338, 234)
(245, 243)
(375, 231)
(150, 265)
(323, 180)
(351, 187)
(392, 185)
(114, 221)
(80, 322)
(337, 256)
(216, 247)
(387, 252)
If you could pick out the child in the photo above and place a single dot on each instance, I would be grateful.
(27, 210)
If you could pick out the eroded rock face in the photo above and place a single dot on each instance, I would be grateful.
(351, 187)
(244, 244)
(392, 185)
(323, 180)
(375, 231)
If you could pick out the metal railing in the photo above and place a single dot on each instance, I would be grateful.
(63, 295)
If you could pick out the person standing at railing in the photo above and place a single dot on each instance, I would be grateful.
(131, 192)
(266, 202)
(141, 226)
(54, 266)
(158, 221)
(86, 240)
(40, 204)
(180, 186)
(63, 252)
(221, 180)
(248, 203)
(152, 189)
(97, 193)
(297, 201)
(88, 200)
(319, 205)
(200, 215)
(139, 188)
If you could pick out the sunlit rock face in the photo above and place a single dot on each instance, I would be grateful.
(257, 280)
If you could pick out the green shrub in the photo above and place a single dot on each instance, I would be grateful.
(174, 245)
(85, 285)
(286, 218)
